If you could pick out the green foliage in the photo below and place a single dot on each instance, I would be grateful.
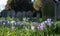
(48, 10)
(6, 31)
(25, 30)
(57, 27)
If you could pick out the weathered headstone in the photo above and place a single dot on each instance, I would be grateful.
(19, 14)
(11, 13)
(4, 13)
(29, 14)
(24, 14)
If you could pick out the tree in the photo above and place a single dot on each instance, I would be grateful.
(8, 6)
(46, 6)
(37, 5)
(19, 5)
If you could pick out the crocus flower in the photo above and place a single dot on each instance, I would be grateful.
(13, 22)
(0, 21)
(43, 24)
(49, 21)
(34, 22)
(6, 23)
(18, 23)
(40, 27)
(32, 28)
(13, 27)
(24, 19)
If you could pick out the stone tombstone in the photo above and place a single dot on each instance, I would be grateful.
(19, 14)
(57, 9)
(11, 13)
(4, 13)
(29, 14)
(24, 14)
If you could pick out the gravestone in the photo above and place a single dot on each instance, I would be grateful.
(29, 14)
(19, 14)
(24, 14)
(11, 13)
(57, 9)
(4, 13)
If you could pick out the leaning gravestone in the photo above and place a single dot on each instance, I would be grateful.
(57, 9)
(11, 13)
(4, 13)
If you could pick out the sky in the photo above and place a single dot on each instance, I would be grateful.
(32, 0)
(2, 4)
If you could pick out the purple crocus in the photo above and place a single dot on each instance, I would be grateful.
(34, 22)
(13, 27)
(0, 21)
(18, 23)
(6, 23)
(43, 24)
(40, 27)
(49, 21)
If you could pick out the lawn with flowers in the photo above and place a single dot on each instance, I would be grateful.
(29, 27)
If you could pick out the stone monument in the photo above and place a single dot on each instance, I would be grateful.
(11, 13)
(19, 14)
(4, 13)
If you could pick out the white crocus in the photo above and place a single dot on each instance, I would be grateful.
(13, 22)
(32, 27)
(45, 21)
(8, 21)
(24, 19)
(3, 23)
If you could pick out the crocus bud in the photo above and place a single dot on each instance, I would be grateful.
(32, 28)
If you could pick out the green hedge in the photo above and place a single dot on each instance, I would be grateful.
(48, 10)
